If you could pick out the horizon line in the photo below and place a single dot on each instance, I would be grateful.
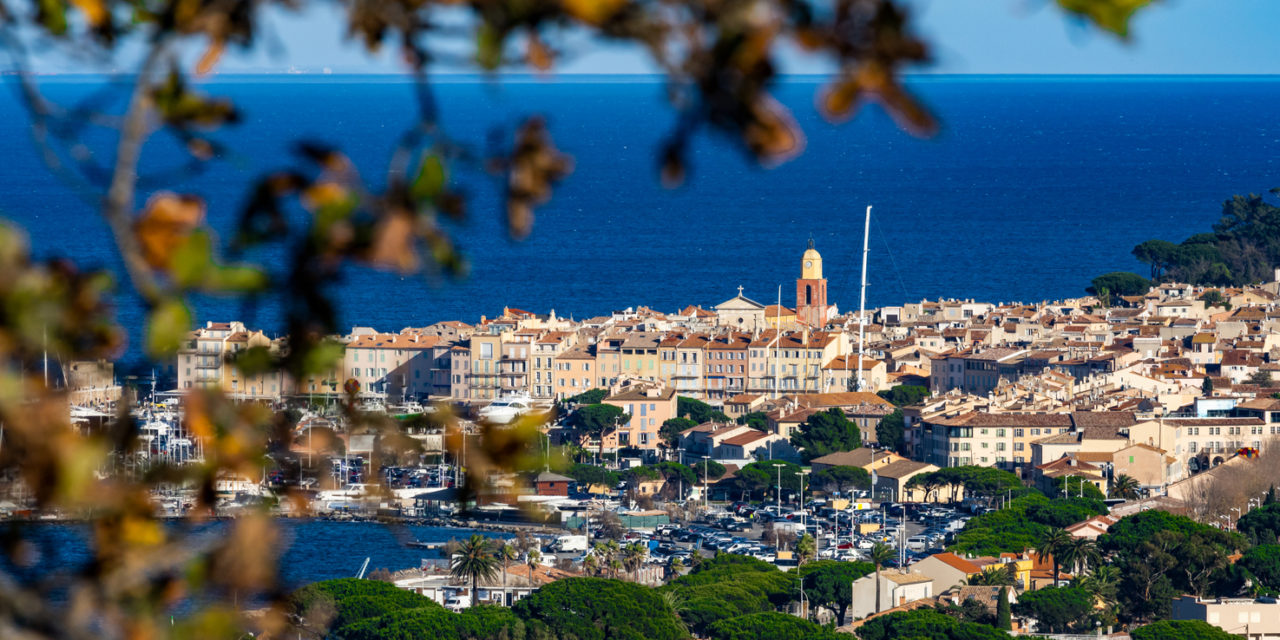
(552, 77)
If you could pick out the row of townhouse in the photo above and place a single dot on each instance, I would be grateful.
(714, 367)
(1155, 448)
(1024, 357)
(406, 365)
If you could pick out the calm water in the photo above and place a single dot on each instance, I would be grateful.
(310, 550)
(1031, 189)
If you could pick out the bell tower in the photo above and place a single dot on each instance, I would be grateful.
(811, 290)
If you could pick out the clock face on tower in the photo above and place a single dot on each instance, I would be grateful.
(808, 264)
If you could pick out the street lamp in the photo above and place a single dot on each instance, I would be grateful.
(705, 463)
(1237, 510)
(779, 466)
(800, 498)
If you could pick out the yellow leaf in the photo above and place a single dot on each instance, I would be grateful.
(323, 194)
(1112, 15)
(142, 532)
(94, 11)
(593, 11)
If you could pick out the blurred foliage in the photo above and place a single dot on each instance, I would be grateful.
(147, 580)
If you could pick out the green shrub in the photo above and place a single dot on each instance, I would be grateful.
(598, 609)
(769, 624)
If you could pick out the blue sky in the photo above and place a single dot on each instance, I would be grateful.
(968, 36)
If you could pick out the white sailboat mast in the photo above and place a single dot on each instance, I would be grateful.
(862, 300)
(777, 344)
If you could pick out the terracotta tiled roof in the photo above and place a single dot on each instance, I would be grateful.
(956, 562)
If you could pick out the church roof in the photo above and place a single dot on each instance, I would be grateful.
(743, 299)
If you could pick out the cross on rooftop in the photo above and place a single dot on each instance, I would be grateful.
(739, 291)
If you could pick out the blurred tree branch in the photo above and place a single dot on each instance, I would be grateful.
(719, 58)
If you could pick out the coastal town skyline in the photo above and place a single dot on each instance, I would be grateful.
(573, 320)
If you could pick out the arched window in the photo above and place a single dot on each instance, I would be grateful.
(808, 294)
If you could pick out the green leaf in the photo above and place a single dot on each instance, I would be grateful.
(254, 361)
(488, 46)
(53, 15)
(1112, 15)
(322, 358)
(236, 279)
(193, 261)
(430, 180)
(167, 327)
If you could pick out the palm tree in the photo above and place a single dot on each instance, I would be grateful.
(1125, 486)
(615, 566)
(806, 548)
(632, 558)
(532, 559)
(993, 576)
(1053, 543)
(608, 555)
(506, 553)
(1080, 554)
(591, 565)
(1102, 584)
(474, 560)
(675, 566)
(674, 602)
(880, 554)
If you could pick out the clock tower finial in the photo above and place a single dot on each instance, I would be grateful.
(811, 241)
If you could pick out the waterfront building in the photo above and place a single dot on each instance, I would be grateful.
(91, 382)
(396, 366)
(790, 362)
(841, 373)
(648, 405)
(206, 360)
(638, 356)
(575, 371)
(513, 367)
(547, 350)
(725, 368)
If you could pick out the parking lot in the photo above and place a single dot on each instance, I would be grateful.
(751, 529)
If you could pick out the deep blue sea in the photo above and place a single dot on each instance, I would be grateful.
(1032, 187)
(308, 550)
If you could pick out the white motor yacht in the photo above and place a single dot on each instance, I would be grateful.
(504, 410)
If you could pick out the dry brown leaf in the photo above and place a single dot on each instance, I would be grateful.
(539, 54)
(167, 219)
(211, 56)
(838, 100)
(393, 243)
